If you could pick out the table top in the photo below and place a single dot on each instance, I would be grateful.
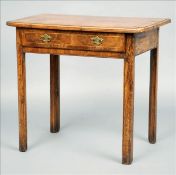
(89, 23)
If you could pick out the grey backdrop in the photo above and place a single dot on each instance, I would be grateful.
(91, 99)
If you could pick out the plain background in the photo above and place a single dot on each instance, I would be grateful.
(91, 100)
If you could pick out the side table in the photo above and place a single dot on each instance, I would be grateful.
(110, 37)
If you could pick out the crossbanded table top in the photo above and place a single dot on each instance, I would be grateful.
(89, 23)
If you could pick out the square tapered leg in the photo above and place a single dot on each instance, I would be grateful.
(22, 106)
(128, 102)
(54, 93)
(153, 95)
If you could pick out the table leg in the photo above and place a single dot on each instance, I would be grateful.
(153, 95)
(22, 107)
(128, 102)
(54, 93)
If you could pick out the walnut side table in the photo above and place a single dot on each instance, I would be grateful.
(110, 37)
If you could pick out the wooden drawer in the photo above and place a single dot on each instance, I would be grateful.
(74, 40)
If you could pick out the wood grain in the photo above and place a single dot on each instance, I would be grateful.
(146, 41)
(22, 106)
(54, 93)
(74, 40)
(128, 101)
(89, 23)
(153, 95)
(71, 35)
(102, 54)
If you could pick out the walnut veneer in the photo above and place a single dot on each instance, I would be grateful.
(110, 37)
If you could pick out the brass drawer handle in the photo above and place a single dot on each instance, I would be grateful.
(45, 38)
(97, 40)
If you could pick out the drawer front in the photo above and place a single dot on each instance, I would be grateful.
(74, 40)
